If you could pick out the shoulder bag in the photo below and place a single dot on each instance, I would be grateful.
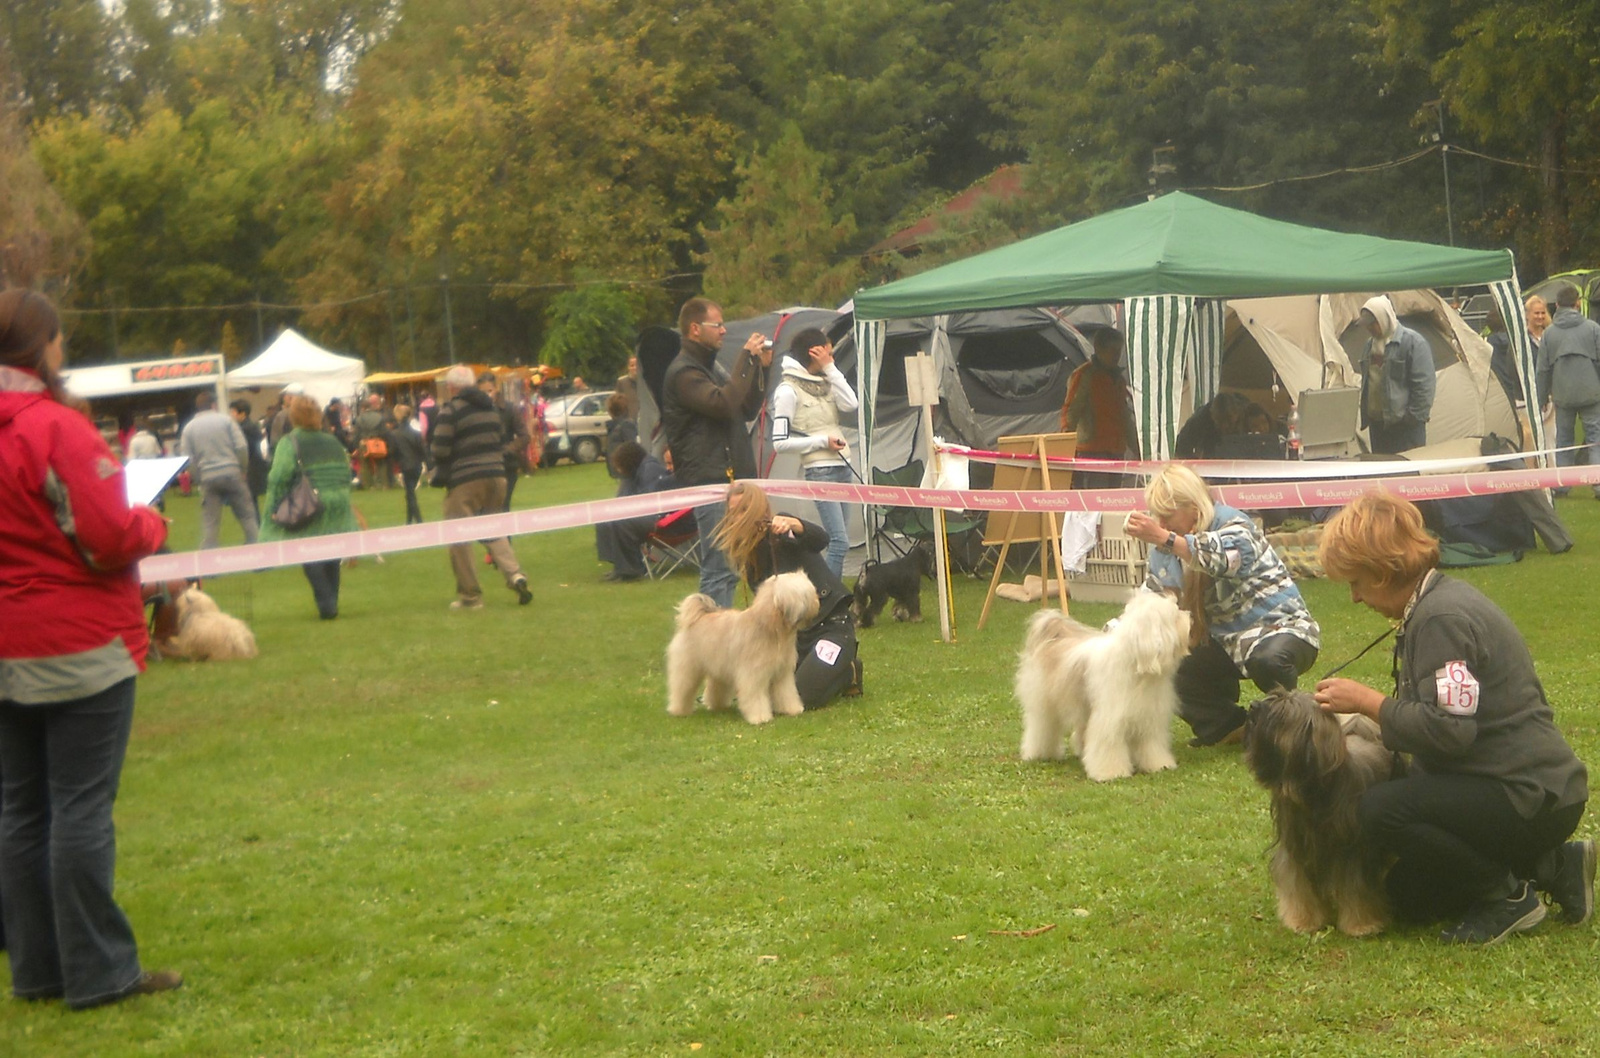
(303, 503)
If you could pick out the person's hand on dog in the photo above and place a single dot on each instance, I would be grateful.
(1339, 695)
(1143, 527)
(784, 525)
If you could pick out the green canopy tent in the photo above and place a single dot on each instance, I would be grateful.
(1173, 262)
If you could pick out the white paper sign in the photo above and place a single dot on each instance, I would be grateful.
(145, 478)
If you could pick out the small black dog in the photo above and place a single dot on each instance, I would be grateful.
(899, 579)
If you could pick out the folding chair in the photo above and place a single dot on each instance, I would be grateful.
(911, 523)
(674, 542)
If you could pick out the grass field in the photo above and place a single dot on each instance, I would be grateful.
(412, 831)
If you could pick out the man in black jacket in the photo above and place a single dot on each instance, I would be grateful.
(255, 473)
(469, 460)
(704, 411)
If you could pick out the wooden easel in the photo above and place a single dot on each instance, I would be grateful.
(1022, 527)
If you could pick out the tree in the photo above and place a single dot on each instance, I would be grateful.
(778, 241)
(41, 238)
(590, 330)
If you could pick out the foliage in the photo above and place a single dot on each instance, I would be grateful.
(40, 236)
(412, 831)
(589, 331)
(779, 241)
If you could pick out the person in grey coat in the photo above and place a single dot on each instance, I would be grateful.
(218, 456)
(1568, 374)
(1397, 380)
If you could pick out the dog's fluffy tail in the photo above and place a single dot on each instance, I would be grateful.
(1051, 626)
(693, 608)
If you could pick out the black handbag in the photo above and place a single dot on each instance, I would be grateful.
(303, 503)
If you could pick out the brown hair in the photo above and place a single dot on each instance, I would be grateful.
(694, 311)
(28, 323)
(1379, 535)
(745, 527)
(305, 414)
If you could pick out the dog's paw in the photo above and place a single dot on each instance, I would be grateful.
(1302, 919)
(1360, 927)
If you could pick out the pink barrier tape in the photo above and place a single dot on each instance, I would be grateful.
(1265, 496)
(1269, 469)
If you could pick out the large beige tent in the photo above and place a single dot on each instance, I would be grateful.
(1308, 342)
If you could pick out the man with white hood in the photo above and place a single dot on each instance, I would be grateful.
(1397, 380)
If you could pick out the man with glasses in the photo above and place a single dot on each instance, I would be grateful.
(704, 411)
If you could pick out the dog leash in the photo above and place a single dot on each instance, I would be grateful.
(1340, 668)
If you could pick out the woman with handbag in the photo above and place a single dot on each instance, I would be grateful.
(310, 460)
(74, 640)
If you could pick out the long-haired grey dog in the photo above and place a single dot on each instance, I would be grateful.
(1316, 765)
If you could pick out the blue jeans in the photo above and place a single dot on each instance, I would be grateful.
(716, 578)
(61, 765)
(1567, 435)
(831, 516)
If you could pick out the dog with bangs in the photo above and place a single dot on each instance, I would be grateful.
(205, 633)
(745, 654)
(1111, 693)
(1316, 766)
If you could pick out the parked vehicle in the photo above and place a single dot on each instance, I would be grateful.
(575, 427)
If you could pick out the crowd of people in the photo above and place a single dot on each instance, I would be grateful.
(1479, 827)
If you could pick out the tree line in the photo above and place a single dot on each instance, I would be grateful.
(532, 180)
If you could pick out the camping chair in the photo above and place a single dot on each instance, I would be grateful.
(915, 524)
(674, 541)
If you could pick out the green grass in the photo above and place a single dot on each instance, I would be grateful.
(417, 832)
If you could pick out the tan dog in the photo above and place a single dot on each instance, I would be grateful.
(745, 654)
(205, 633)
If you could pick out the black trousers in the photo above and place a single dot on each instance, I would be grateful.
(324, 578)
(512, 469)
(1459, 840)
(819, 679)
(1208, 681)
(409, 478)
(1398, 437)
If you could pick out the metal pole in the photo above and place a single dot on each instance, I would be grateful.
(1444, 158)
(116, 345)
(449, 325)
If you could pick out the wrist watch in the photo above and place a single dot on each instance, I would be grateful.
(1172, 538)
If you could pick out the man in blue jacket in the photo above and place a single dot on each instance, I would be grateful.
(1397, 380)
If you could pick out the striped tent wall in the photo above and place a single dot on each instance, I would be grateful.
(1206, 331)
(1508, 299)
(1158, 329)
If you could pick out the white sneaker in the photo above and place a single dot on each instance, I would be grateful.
(466, 604)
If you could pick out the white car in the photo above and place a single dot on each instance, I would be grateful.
(575, 427)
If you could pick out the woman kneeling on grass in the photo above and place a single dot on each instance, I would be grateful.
(1494, 790)
(760, 544)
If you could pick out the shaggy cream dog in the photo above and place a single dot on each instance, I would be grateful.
(205, 633)
(1110, 691)
(748, 654)
(1316, 766)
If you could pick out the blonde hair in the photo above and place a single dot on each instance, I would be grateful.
(1381, 536)
(305, 413)
(745, 527)
(1175, 486)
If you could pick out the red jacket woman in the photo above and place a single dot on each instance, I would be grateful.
(73, 641)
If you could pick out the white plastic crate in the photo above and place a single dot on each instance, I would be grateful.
(1114, 569)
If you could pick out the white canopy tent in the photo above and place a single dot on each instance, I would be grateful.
(294, 358)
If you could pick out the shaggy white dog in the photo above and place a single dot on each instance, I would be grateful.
(1111, 691)
(748, 654)
(205, 633)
